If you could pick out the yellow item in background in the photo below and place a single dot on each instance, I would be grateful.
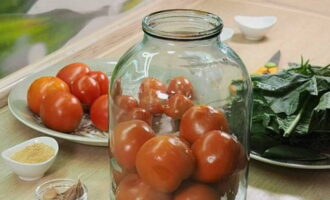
(269, 68)
(34, 153)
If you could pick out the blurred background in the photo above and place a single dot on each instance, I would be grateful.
(31, 29)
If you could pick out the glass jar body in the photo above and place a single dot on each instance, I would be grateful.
(180, 118)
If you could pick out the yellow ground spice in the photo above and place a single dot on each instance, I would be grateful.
(34, 153)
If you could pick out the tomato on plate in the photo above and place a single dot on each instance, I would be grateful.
(196, 191)
(177, 105)
(216, 154)
(40, 87)
(61, 111)
(164, 162)
(133, 188)
(126, 102)
(136, 113)
(86, 89)
(127, 138)
(73, 71)
(99, 113)
(200, 119)
(150, 83)
(180, 85)
(102, 80)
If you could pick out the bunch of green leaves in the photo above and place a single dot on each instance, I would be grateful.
(291, 112)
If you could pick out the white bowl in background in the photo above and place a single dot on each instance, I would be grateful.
(30, 171)
(255, 28)
(226, 34)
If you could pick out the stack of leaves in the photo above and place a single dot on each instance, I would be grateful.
(291, 113)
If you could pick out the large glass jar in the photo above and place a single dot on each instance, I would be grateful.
(180, 113)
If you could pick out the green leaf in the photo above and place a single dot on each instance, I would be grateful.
(281, 82)
(321, 115)
(130, 4)
(293, 153)
(322, 83)
(52, 28)
(262, 141)
(16, 6)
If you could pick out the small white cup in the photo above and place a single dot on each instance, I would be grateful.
(29, 171)
(255, 28)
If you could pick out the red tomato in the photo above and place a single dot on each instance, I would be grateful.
(73, 71)
(200, 119)
(116, 90)
(133, 188)
(196, 191)
(39, 89)
(61, 111)
(180, 85)
(99, 113)
(118, 173)
(216, 154)
(177, 105)
(242, 158)
(153, 101)
(126, 102)
(164, 162)
(102, 80)
(228, 186)
(136, 113)
(127, 138)
(151, 84)
(86, 89)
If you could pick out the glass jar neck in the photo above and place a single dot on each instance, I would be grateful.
(156, 41)
(182, 25)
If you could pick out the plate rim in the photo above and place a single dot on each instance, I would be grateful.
(287, 165)
(46, 131)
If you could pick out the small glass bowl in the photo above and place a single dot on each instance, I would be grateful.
(60, 185)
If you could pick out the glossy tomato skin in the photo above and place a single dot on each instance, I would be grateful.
(86, 89)
(151, 84)
(196, 191)
(152, 95)
(127, 139)
(39, 89)
(133, 188)
(136, 113)
(177, 105)
(102, 79)
(228, 186)
(99, 113)
(200, 119)
(180, 85)
(164, 162)
(61, 111)
(153, 101)
(117, 90)
(73, 71)
(216, 154)
(125, 102)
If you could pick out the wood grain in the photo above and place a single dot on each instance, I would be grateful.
(302, 30)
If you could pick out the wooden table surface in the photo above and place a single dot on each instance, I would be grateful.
(303, 29)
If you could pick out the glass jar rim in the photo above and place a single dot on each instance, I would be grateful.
(213, 24)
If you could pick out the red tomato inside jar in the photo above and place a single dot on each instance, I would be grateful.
(176, 130)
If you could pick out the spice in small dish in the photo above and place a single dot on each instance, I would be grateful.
(73, 193)
(34, 153)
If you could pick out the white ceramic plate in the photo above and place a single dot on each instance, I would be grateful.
(18, 106)
(323, 164)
